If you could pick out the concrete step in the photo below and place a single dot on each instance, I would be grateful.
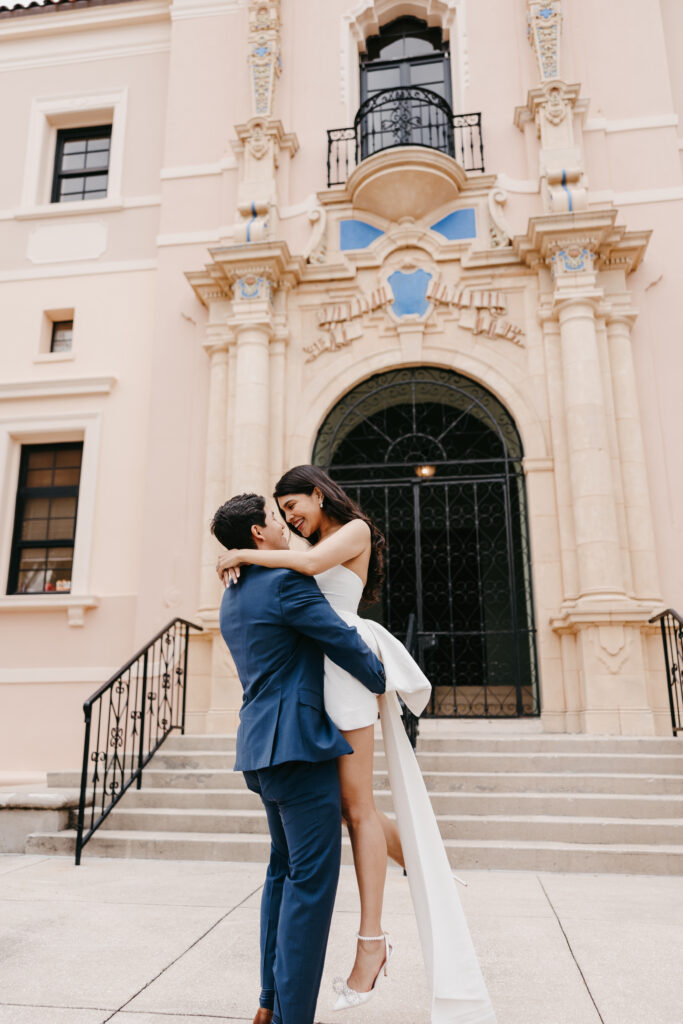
(462, 853)
(544, 743)
(446, 761)
(621, 805)
(439, 782)
(550, 828)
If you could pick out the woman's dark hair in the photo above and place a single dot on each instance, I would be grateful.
(337, 505)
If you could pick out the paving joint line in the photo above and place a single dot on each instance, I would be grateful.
(181, 955)
(569, 947)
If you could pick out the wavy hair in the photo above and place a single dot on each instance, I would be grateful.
(338, 506)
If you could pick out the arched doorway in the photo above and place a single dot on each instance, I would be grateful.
(436, 459)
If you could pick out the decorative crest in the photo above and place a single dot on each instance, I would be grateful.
(544, 19)
(264, 52)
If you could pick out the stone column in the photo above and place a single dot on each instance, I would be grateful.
(278, 350)
(253, 327)
(595, 515)
(639, 527)
(217, 344)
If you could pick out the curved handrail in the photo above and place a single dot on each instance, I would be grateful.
(126, 721)
(667, 611)
(671, 626)
(403, 92)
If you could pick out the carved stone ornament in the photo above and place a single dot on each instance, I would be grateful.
(481, 310)
(264, 52)
(544, 21)
(257, 139)
(340, 323)
(556, 106)
(573, 259)
(252, 287)
(500, 231)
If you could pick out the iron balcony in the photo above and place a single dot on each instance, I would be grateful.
(407, 116)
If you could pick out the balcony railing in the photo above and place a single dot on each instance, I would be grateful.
(409, 116)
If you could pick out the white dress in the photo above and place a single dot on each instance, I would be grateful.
(459, 994)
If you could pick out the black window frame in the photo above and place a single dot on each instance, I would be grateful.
(65, 135)
(400, 28)
(56, 325)
(23, 493)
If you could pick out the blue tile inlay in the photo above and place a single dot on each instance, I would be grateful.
(357, 234)
(460, 224)
(410, 292)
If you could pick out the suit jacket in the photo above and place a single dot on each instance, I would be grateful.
(278, 626)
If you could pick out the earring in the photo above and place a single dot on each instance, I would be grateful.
(321, 502)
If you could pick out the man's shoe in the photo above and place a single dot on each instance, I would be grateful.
(263, 1016)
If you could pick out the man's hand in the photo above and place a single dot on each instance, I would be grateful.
(228, 567)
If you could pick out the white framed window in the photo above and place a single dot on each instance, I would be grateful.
(53, 118)
(56, 337)
(20, 435)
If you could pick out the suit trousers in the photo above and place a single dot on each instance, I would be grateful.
(303, 806)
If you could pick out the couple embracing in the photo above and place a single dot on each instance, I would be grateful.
(315, 677)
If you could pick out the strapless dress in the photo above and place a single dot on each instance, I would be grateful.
(458, 990)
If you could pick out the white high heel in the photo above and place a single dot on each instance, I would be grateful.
(347, 997)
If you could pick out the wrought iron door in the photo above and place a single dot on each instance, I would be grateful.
(436, 461)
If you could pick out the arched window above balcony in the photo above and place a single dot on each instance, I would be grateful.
(405, 53)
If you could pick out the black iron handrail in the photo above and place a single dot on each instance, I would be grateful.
(135, 710)
(411, 723)
(671, 624)
(405, 116)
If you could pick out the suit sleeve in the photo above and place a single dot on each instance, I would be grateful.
(305, 609)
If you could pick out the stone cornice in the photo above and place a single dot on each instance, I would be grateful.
(270, 261)
(256, 127)
(611, 245)
(538, 97)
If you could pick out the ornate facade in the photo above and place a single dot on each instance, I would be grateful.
(256, 283)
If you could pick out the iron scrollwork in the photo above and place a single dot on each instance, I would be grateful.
(126, 723)
(456, 540)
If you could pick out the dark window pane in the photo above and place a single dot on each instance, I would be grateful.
(39, 478)
(426, 74)
(67, 457)
(98, 183)
(97, 161)
(416, 46)
(62, 334)
(41, 458)
(81, 159)
(60, 529)
(71, 185)
(383, 78)
(67, 477)
(76, 162)
(37, 508)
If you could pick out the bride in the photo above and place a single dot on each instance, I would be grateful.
(346, 558)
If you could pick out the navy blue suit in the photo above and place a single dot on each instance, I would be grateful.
(278, 627)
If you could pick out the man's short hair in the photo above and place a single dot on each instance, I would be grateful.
(232, 523)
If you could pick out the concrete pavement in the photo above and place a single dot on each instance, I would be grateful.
(176, 942)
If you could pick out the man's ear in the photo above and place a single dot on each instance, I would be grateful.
(256, 532)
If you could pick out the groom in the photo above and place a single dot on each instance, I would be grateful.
(278, 626)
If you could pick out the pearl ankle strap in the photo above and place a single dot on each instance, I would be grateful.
(370, 938)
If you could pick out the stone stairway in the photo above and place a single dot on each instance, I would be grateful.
(532, 802)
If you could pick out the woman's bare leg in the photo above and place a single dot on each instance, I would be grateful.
(393, 839)
(369, 847)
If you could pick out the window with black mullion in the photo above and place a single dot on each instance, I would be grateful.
(45, 519)
(406, 53)
(81, 164)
